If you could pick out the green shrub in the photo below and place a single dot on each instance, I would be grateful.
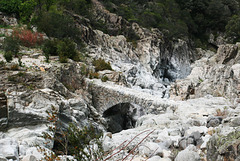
(67, 48)
(104, 78)
(81, 7)
(2, 63)
(11, 44)
(233, 28)
(63, 58)
(84, 144)
(21, 8)
(57, 25)
(82, 141)
(10, 6)
(100, 65)
(26, 9)
(63, 48)
(84, 70)
(50, 47)
(8, 56)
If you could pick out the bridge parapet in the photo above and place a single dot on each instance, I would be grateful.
(106, 94)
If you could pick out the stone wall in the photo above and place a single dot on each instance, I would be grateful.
(105, 95)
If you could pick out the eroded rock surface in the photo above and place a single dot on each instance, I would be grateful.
(216, 74)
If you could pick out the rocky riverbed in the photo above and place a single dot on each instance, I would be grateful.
(188, 129)
(162, 101)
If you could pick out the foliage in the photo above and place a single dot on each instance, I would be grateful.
(57, 25)
(2, 63)
(223, 112)
(84, 70)
(104, 78)
(233, 28)
(67, 48)
(93, 75)
(165, 15)
(178, 18)
(28, 38)
(8, 56)
(63, 48)
(11, 44)
(50, 47)
(63, 58)
(81, 7)
(83, 144)
(26, 9)
(100, 65)
(175, 18)
(10, 6)
(22, 8)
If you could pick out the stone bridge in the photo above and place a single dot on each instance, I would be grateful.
(107, 95)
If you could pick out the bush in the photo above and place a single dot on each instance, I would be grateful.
(100, 65)
(233, 28)
(8, 56)
(63, 58)
(57, 25)
(10, 6)
(63, 48)
(67, 48)
(84, 144)
(28, 38)
(50, 47)
(11, 44)
(81, 7)
(21, 8)
(104, 78)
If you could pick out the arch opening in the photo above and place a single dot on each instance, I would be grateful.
(122, 116)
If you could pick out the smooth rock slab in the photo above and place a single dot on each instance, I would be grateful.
(235, 122)
(9, 148)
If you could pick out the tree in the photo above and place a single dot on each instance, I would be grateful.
(57, 25)
(233, 28)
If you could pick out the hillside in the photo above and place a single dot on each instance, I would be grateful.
(87, 80)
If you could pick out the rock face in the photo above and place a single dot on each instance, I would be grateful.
(221, 147)
(215, 74)
(26, 98)
(149, 63)
(7, 20)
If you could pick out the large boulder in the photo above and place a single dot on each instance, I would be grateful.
(9, 148)
(189, 154)
(224, 147)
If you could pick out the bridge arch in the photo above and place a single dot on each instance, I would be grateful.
(122, 116)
